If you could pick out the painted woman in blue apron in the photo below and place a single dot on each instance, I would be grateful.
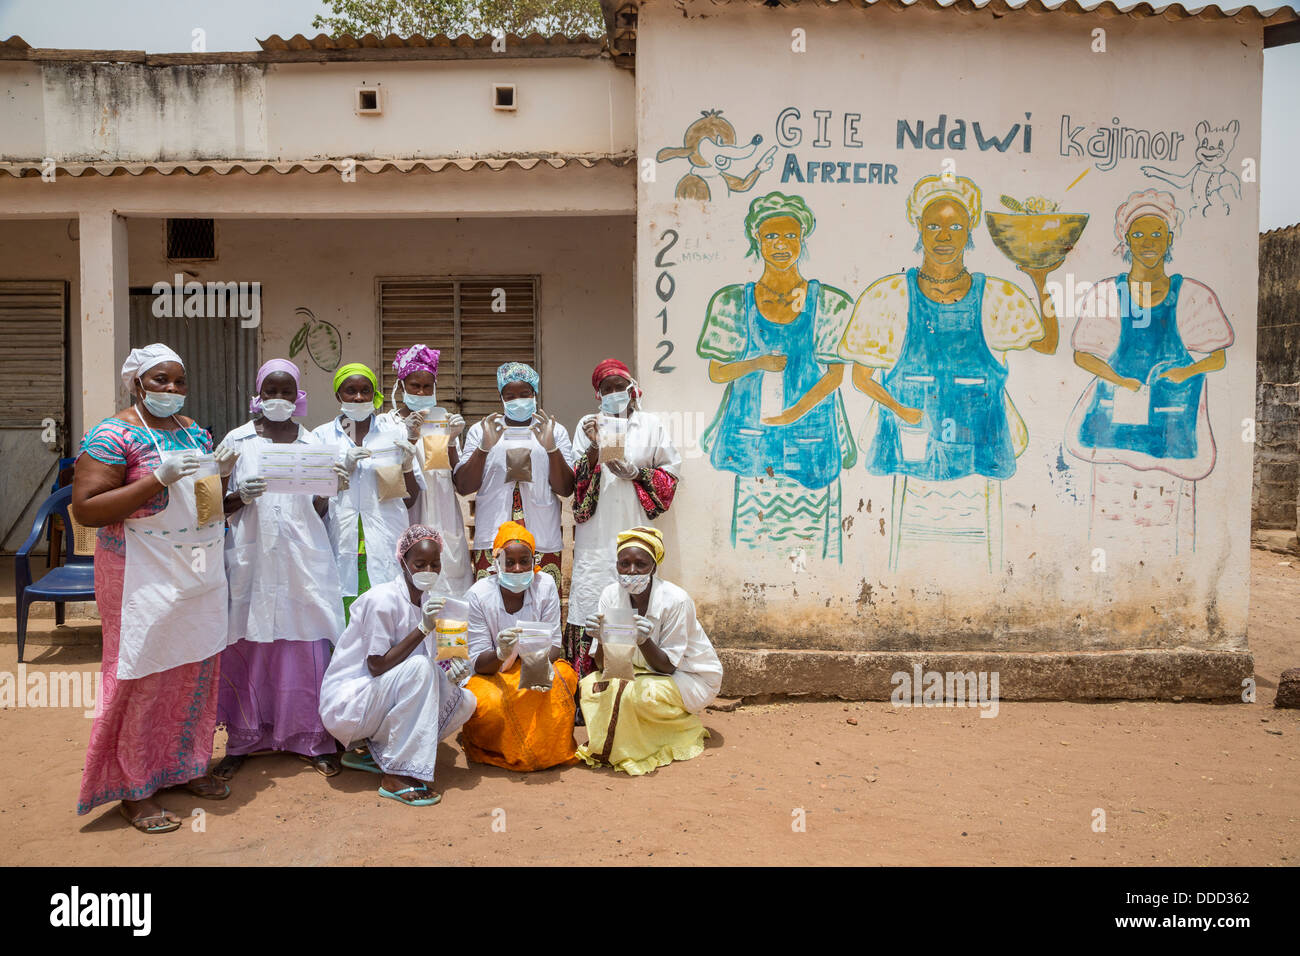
(937, 336)
(781, 427)
(1147, 409)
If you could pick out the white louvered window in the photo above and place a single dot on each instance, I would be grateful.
(476, 323)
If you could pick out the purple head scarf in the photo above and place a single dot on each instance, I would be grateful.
(278, 365)
(417, 358)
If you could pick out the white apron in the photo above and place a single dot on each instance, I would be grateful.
(384, 520)
(594, 556)
(174, 588)
(439, 508)
(284, 583)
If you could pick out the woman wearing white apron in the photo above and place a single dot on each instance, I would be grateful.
(383, 686)
(364, 530)
(621, 493)
(437, 507)
(526, 432)
(160, 584)
(286, 605)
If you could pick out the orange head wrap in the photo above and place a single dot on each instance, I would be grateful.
(514, 531)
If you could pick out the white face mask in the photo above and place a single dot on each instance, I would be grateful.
(277, 409)
(425, 580)
(358, 411)
(615, 402)
(634, 583)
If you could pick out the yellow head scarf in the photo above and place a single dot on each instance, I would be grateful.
(357, 368)
(645, 538)
(930, 188)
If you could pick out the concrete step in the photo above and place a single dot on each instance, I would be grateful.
(45, 633)
(42, 609)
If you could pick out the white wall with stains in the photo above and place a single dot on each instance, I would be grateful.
(1038, 559)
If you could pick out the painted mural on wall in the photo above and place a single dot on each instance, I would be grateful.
(709, 145)
(781, 428)
(1213, 187)
(319, 339)
(942, 349)
(1143, 423)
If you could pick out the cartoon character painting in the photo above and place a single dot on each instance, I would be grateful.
(929, 346)
(1212, 184)
(1143, 422)
(710, 145)
(781, 427)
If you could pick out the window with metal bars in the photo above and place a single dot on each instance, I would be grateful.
(477, 323)
(191, 239)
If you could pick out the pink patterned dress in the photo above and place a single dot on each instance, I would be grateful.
(156, 731)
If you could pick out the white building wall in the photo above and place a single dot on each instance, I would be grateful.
(1047, 590)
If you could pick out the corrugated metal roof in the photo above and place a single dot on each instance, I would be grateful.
(322, 49)
(254, 167)
(391, 42)
(1168, 11)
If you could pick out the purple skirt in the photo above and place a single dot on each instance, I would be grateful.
(270, 697)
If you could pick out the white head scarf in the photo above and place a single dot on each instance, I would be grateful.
(141, 360)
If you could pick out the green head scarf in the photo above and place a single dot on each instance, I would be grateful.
(356, 368)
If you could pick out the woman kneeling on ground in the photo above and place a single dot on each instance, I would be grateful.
(383, 686)
(653, 719)
(515, 726)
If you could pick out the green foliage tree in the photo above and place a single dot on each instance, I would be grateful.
(453, 17)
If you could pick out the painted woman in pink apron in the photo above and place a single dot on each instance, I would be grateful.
(160, 584)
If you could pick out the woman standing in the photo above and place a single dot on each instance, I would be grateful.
(438, 507)
(1136, 333)
(286, 607)
(653, 719)
(781, 427)
(516, 727)
(358, 516)
(607, 498)
(382, 685)
(164, 616)
(484, 469)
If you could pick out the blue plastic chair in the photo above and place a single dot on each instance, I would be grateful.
(65, 464)
(74, 580)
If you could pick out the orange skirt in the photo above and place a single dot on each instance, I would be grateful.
(521, 729)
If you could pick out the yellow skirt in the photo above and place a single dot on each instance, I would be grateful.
(521, 729)
(637, 725)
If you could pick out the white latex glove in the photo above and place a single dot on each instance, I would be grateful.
(174, 469)
(494, 426)
(622, 468)
(251, 488)
(225, 456)
(506, 642)
(344, 481)
(455, 425)
(353, 455)
(413, 423)
(544, 429)
(407, 452)
(430, 608)
(594, 622)
(458, 669)
(644, 626)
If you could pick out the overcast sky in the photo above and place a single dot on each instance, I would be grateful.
(165, 26)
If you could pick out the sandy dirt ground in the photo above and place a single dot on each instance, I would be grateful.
(1179, 783)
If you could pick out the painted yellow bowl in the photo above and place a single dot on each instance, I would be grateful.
(1036, 241)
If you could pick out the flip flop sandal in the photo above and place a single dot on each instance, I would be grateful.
(327, 765)
(355, 761)
(422, 802)
(153, 823)
(207, 795)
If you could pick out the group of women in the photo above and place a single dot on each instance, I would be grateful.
(304, 623)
